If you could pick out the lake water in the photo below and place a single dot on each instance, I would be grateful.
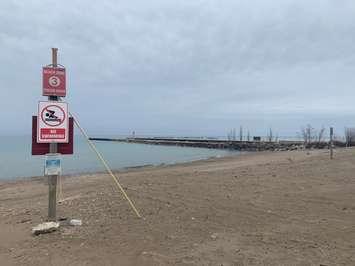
(16, 160)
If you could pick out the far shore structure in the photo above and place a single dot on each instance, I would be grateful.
(280, 145)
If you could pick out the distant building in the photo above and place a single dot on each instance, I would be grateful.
(256, 138)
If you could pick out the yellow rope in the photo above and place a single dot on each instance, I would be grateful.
(115, 179)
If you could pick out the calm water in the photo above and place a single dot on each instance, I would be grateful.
(16, 160)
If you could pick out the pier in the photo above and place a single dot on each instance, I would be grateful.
(221, 144)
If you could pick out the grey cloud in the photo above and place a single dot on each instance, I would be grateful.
(175, 66)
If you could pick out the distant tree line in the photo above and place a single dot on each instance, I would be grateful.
(312, 135)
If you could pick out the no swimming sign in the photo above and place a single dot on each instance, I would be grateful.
(53, 122)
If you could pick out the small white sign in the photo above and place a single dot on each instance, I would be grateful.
(53, 122)
(52, 164)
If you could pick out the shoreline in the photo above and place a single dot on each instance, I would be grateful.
(163, 165)
(119, 170)
(21, 165)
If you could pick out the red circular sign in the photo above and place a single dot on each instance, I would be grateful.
(53, 115)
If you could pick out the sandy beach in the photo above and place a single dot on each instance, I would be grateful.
(269, 208)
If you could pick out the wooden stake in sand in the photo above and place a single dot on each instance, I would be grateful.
(98, 154)
(331, 142)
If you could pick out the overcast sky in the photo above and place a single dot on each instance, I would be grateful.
(183, 67)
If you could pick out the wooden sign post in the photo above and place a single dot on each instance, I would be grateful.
(331, 142)
(52, 128)
(53, 148)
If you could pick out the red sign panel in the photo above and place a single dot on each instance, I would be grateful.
(43, 148)
(47, 133)
(53, 79)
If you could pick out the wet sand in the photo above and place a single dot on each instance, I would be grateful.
(270, 208)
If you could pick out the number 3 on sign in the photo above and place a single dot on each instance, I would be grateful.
(54, 81)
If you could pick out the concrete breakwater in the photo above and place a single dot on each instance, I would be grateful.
(224, 144)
